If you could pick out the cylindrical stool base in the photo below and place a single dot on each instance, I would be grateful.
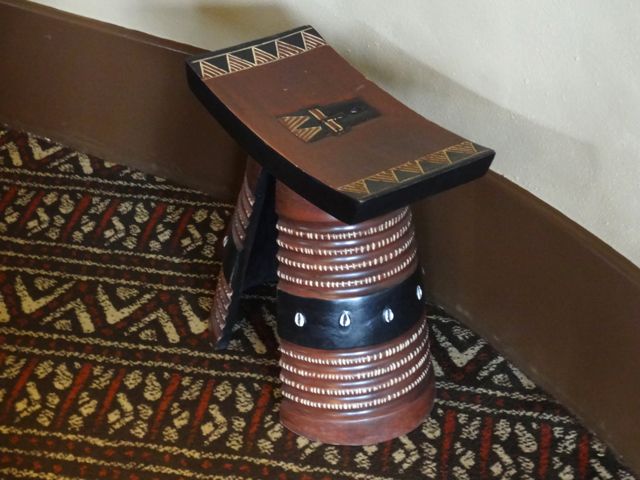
(355, 361)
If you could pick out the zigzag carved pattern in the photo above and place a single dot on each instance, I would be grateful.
(289, 45)
(410, 171)
(295, 124)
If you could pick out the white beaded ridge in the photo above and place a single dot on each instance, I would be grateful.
(347, 392)
(380, 260)
(340, 362)
(345, 235)
(359, 405)
(358, 375)
(338, 252)
(372, 279)
(222, 301)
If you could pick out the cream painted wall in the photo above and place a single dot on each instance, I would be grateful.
(553, 87)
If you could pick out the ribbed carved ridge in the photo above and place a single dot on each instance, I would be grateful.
(233, 244)
(242, 213)
(221, 300)
(334, 260)
(365, 395)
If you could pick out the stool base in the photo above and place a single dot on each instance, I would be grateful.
(362, 428)
(358, 396)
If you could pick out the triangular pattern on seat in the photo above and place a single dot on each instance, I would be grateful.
(288, 45)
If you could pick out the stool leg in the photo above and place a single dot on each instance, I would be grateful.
(355, 356)
(238, 257)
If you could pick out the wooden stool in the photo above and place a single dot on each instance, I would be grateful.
(338, 160)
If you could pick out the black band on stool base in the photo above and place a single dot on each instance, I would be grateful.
(350, 322)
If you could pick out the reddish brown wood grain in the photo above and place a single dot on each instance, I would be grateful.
(360, 395)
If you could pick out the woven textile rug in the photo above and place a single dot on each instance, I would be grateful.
(106, 370)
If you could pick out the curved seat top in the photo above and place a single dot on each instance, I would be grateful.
(318, 125)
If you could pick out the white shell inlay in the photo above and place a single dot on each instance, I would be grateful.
(299, 319)
(345, 319)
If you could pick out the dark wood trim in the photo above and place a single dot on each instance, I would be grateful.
(557, 301)
(111, 92)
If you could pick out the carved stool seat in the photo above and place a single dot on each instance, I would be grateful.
(334, 164)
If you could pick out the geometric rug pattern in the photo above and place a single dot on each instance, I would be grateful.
(106, 371)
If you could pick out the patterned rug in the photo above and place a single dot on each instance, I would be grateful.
(106, 370)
